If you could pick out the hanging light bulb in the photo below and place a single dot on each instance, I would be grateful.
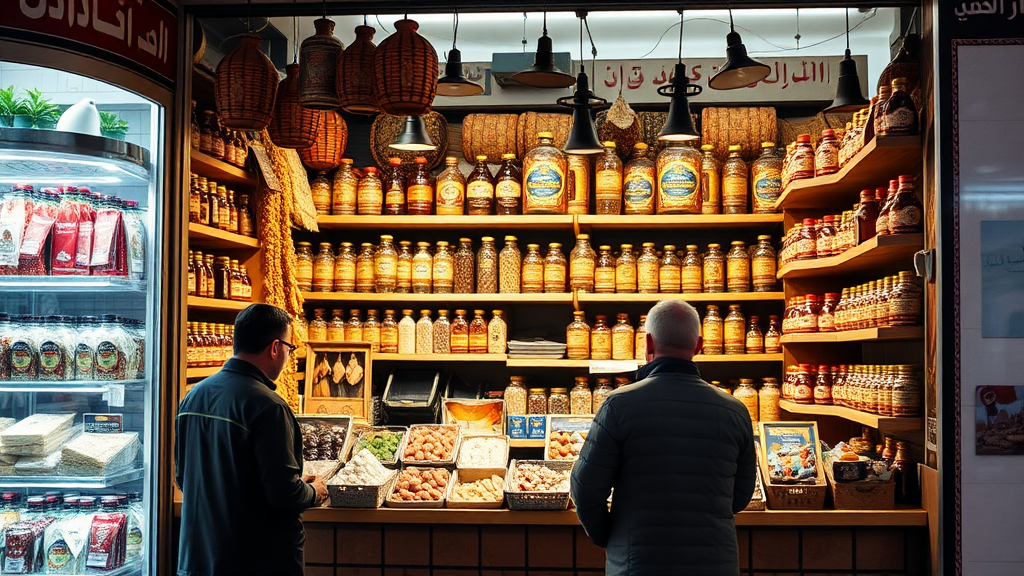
(679, 124)
(848, 95)
(740, 70)
(583, 134)
(414, 136)
(544, 73)
(454, 82)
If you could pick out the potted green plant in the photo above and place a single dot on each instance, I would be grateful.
(113, 126)
(13, 109)
(41, 111)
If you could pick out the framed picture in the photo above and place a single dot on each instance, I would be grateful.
(999, 421)
(338, 379)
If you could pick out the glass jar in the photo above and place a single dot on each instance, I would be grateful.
(407, 333)
(647, 265)
(766, 179)
(905, 475)
(601, 391)
(825, 237)
(537, 401)
(826, 157)
(886, 382)
(371, 330)
(478, 333)
(508, 187)
(480, 189)
(884, 206)
(394, 189)
(581, 401)
(803, 158)
(734, 330)
(623, 338)
(905, 210)
(582, 261)
(899, 111)
(385, 264)
(464, 268)
(691, 271)
(755, 338)
(710, 181)
(451, 190)
(365, 282)
(497, 333)
(577, 337)
(764, 265)
(403, 282)
(823, 386)
(555, 269)
(714, 269)
(804, 382)
(608, 177)
(487, 267)
(354, 327)
(303, 266)
(345, 268)
(442, 333)
(640, 346)
(318, 326)
(420, 193)
(509, 267)
(323, 269)
(515, 396)
(336, 327)
(735, 183)
(577, 185)
(773, 336)
(425, 334)
(738, 268)
(669, 271)
(827, 316)
(558, 401)
(625, 271)
(905, 301)
(747, 394)
(370, 193)
(459, 333)
(604, 271)
(600, 339)
(768, 401)
(533, 270)
(246, 220)
(320, 188)
(679, 167)
(422, 269)
(638, 182)
(713, 330)
(443, 270)
(544, 176)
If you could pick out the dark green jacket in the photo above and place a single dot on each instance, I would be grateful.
(238, 457)
(680, 455)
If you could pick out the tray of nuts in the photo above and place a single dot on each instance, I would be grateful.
(420, 488)
(538, 484)
(477, 488)
(431, 445)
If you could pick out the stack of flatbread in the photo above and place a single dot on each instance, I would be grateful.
(93, 454)
(38, 435)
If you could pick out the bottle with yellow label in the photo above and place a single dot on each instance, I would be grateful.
(385, 264)
(354, 327)
(336, 327)
(600, 339)
(404, 282)
(577, 337)
(480, 189)
(318, 326)
(735, 329)
(764, 265)
(544, 178)
(623, 338)
(714, 269)
(345, 269)
(365, 269)
(443, 272)
(647, 265)
(451, 190)
(389, 333)
(713, 331)
(679, 179)
(533, 270)
(692, 272)
(608, 185)
(303, 268)
(371, 330)
(578, 189)
(625, 271)
(604, 271)
(638, 182)
(555, 269)
(641, 339)
(343, 189)
(669, 271)
(710, 181)
(419, 195)
(766, 177)
(582, 260)
(370, 193)
(735, 183)
(508, 187)
(737, 268)
(323, 269)
(422, 269)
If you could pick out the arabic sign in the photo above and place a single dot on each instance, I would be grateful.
(986, 19)
(143, 31)
(792, 79)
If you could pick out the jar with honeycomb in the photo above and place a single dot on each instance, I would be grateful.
(582, 261)
(625, 271)
(555, 269)
(365, 282)
(604, 271)
(600, 339)
(714, 269)
(577, 337)
(647, 265)
(533, 270)
(323, 269)
(443, 270)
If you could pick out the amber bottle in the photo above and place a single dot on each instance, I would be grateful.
(420, 192)
(508, 187)
(638, 186)
(604, 271)
(480, 189)
(394, 189)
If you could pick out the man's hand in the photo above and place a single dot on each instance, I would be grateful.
(319, 486)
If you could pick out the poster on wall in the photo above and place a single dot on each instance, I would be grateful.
(1002, 279)
(999, 421)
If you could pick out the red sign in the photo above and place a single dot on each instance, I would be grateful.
(142, 31)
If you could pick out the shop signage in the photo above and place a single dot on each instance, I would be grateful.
(792, 79)
(985, 19)
(144, 32)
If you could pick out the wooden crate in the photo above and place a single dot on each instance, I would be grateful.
(785, 495)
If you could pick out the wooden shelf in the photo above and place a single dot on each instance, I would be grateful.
(708, 358)
(546, 363)
(881, 423)
(700, 358)
(526, 443)
(382, 356)
(198, 303)
(689, 297)
(449, 299)
(443, 222)
(209, 237)
(220, 171)
(881, 160)
(865, 335)
(206, 371)
(875, 254)
(598, 221)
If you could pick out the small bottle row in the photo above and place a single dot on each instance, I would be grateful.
(409, 336)
(210, 137)
(520, 398)
(888, 302)
(387, 269)
(213, 204)
(208, 344)
(762, 404)
(885, 390)
(735, 335)
(219, 277)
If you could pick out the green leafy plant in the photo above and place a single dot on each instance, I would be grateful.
(111, 122)
(11, 104)
(40, 109)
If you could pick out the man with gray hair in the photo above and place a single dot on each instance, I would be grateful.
(679, 454)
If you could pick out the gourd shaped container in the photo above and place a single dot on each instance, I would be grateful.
(318, 64)
(245, 86)
(405, 71)
(327, 150)
(355, 78)
(293, 126)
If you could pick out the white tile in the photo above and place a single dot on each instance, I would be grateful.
(990, 78)
(1003, 470)
(993, 520)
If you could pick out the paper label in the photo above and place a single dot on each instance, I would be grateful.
(104, 423)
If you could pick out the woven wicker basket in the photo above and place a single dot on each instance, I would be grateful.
(293, 126)
(386, 129)
(518, 500)
(748, 127)
(355, 74)
(318, 58)
(361, 496)
(245, 86)
(490, 135)
(530, 123)
(405, 71)
(328, 149)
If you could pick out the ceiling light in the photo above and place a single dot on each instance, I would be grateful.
(544, 73)
(583, 134)
(454, 82)
(848, 96)
(740, 70)
(679, 124)
(414, 136)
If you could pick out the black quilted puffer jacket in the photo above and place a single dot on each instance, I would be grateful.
(680, 455)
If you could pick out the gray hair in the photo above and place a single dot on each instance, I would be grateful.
(674, 325)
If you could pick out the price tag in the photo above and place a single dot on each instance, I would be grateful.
(266, 166)
(613, 366)
(115, 395)
(104, 423)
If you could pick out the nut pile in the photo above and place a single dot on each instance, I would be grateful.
(483, 490)
(482, 452)
(421, 484)
(565, 445)
(531, 477)
(430, 444)
(322, 441)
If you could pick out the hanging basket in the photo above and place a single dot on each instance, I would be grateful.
(530, 123)
(245, 86)
(354, 81)
(318, 63)
(386, 129)
(490, 135)
(293, 126)
(328, 149)
(405, 72)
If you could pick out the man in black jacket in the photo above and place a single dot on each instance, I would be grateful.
(679, 454)
(238, 453)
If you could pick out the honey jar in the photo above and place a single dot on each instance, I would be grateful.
(555, 266)
(692, 271)
(422, 269)
(582, 261)
(323, 269)
(533, 270)
(544, 178)
(738, 268)
(345, 269)
(604, 271)
(443, 270)
(647, 265)
(714, 269)
(625, 271)
(364, 269)
(600, 339)
(577, 337)
(713, 331)
(622, 338)
(385, 263)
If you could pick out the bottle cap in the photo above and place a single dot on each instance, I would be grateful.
(481, 158)
(734, 148)
(707, 147)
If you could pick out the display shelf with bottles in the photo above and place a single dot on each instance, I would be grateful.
(876, 252)
(221, 171)
(209, 237)
(397, 298)
(884, 424)
(199, 303)
(393, 357)
(679, 221)
(863, 335)
(71, 482)
(688, 297)
(699, 358)
(417, 222)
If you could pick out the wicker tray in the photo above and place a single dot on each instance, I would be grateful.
(462, 444)
(391, 503)
(345, 496)
(862, 494)
(472, 475)
(375, 429)
(447, 462)
(519, 500)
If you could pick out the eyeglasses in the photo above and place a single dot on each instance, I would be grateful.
(291, 347)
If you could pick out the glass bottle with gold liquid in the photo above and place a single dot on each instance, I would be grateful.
(403, 283)
(710, 181)
(419, 195)
(344, 190)
(608, 177)
(582, 260)
(670, 271)
(508, 187)
(555, 269)
(336, 327)
(714, 269)
(318, 326)
(354, 327)
(533, 270)
(604, 271)
(773, 336)
(451, 190)
(460, 333)
(647, 265)
(735, 329)
(640, 346)
(497, 333)
(623, 338)
(371, 330)
(303, 268)
(389, 333)
(577, 337)
(487, 267)
(578, 185)
(422, 269)
(385, 264)
(544, 178)
(510, 267)
(638, 182)
(625, 271)
(345, 268)
(737, 264)
(478, 333)
(766, 176)
(692, 271)
(713, 330)
(323, 269)
(600, 339)
(464, 271)
(365, 269)
(679, 167)
(480, 189)
(394, 189)
(735, 183)
(320, 189)
(443, 270)
(370, 193)
(763, 264)
(755, 338)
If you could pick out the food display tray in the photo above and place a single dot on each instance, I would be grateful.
(372, 496)
(398, 452)
(462, 442)
(391, 503)
(518, 500)
(472, 475)
(332, 419)
(431, 463)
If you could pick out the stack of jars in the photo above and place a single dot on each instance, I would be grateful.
(601, 342)
(220, 277)
(409, 336)
(210, 137)
(213, 204)
(736, 335)
(208, 344)
(763, 404)
(885, 390)
(520, 398)
(889, 302)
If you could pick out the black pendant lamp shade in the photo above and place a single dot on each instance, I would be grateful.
(848, 95)
(583, 134)
(454, 82)
(414, 136)
(544, 73)
(679, 125)
(740, 70)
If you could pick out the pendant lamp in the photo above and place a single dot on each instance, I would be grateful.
(848, 95)
(740, 70)
(679, 125)
(328, 149)
(318, 64)
(454, 82)
(405, 71)
(544, 73)
(354, 80)
(414, 136)
(245, 86)
(583, 134)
